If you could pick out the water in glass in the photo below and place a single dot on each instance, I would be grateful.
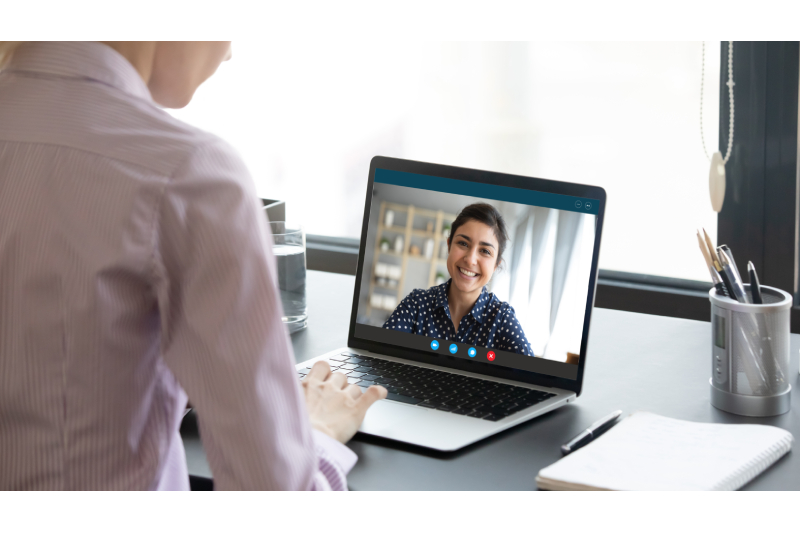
(290, 254)
(292, 283)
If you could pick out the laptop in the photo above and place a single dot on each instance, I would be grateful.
(519, 351)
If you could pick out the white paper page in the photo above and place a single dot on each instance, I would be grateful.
(651, 452)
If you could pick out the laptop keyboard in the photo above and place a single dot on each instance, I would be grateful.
(435, 389)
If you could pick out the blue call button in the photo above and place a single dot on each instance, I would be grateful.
(453, 348)
(434, 345)
(472, 352)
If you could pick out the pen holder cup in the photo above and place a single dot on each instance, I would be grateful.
(750, 354)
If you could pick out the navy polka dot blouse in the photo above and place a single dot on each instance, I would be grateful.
(490, 324)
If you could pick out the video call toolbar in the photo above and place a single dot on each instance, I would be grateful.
(466, 352)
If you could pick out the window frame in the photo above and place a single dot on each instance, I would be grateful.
(761, 194)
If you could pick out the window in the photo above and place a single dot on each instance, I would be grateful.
(308, 118)
(620, 115)
(624, 116)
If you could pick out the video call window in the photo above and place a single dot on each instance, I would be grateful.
(513, 277)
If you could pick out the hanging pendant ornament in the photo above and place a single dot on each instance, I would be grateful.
(716, 174)
(716, 181)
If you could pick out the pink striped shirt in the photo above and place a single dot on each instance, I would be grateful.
(136, 263)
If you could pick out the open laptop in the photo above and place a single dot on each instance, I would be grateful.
(446, 393)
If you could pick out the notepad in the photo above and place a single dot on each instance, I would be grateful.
(646, 451)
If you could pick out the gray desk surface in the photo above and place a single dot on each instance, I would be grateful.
(634, 362)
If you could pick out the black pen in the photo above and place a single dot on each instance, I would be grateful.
(715, 261)
(730, 256)
(736, 282)
(755, 286)
(587, 435)
(727, 282)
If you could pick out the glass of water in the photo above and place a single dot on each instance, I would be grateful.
(290, 254)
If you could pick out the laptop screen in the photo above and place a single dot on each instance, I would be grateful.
(478, 271)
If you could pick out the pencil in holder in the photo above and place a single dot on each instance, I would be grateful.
(750, 354)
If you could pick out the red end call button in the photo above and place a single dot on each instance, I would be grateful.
(490, 356)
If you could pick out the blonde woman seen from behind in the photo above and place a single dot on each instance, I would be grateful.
(137, 270)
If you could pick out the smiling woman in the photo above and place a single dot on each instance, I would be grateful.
(462, 309)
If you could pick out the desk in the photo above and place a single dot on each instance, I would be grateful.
(634, 362)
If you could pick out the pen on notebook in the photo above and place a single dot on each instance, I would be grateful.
(718, 284)
(715, 261)
(755, 286)
(733, 276)
(587, 435)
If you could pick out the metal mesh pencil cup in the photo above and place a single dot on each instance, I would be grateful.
(750, 354)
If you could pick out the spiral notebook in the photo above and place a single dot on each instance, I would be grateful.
(646, 451)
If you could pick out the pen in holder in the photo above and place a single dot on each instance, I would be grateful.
(750, 353)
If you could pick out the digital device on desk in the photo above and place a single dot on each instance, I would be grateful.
(520, 351)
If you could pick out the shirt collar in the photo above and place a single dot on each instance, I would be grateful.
(477, 309)
(82, 60)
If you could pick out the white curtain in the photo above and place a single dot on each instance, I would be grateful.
(546, 275)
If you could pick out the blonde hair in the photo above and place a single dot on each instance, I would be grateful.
(7, 50)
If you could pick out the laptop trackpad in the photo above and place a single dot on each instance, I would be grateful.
(386, 415)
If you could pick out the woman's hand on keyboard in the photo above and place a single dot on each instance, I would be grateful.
(334, 407)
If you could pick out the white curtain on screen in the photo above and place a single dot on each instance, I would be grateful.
(546, 275)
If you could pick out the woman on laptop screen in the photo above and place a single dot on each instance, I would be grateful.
(462, 309)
